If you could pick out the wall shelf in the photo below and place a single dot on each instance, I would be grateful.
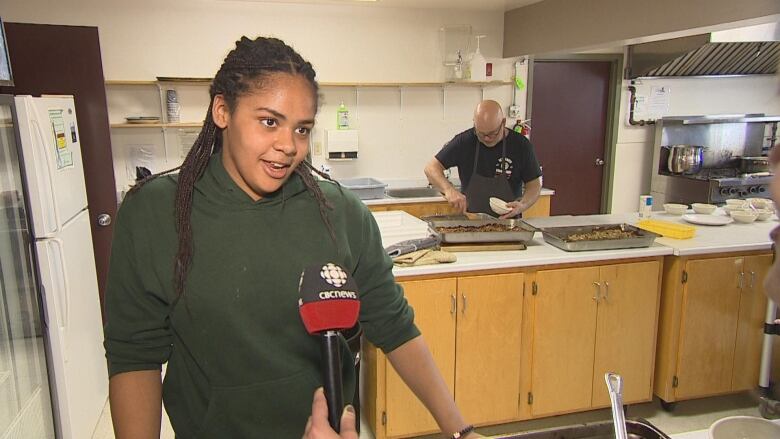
(206, 81)
(158, 125)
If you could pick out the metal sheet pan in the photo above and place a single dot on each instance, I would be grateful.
(559, 237)
(525, 234)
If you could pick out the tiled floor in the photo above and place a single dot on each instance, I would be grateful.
(687, 416)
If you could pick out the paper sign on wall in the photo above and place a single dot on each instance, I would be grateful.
(659, 102)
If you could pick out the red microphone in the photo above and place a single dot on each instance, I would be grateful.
(329, 303)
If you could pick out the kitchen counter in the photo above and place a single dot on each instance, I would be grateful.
(392, 200)
(708, 239)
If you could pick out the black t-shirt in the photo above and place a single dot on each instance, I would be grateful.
(520, 165)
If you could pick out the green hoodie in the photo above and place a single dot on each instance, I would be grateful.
(240, 362)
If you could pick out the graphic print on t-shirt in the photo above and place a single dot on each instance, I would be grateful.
(505, 164)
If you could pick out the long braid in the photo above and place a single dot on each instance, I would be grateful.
(245, 67)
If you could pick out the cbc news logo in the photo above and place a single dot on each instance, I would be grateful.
(334, 275)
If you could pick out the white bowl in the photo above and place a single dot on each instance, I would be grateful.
(764, 214)
(704, 208)
(744, 427)
(728, 209)
(675, 209)
(744, 216)
(735, 202)
(758, 203)
(499, 206)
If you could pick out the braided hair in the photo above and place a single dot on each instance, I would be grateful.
(245, 68)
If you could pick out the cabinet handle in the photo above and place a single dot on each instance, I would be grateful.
(752, 279)
(463, 311)
(598, 290)
(453, 304)
(606, 290)
(741, 278)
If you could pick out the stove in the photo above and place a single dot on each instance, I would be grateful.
(714, 186)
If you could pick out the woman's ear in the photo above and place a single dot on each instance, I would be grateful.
(220, 113)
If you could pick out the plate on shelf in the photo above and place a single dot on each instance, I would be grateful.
(707, 220)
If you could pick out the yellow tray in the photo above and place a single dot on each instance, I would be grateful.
(668, 229)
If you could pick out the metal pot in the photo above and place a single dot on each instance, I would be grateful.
(685, 159)
(751, 165)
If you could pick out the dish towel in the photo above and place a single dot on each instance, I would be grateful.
(412, 245)
(424, 257)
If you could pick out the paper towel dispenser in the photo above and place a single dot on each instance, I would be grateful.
(341, 144)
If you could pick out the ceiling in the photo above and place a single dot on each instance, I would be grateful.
(479, 5)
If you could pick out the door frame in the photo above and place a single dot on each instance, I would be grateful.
(613, 111)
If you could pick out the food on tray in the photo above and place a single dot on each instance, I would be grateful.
(481, 228)
(598, 234)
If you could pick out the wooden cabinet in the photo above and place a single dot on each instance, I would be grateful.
(472, 327)
(711, 326)
(541, 208)
(418, 210)
(588, 321)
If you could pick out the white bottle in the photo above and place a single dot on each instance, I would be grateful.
(478, 64)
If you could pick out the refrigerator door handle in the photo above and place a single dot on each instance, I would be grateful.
(59, 275)
(61, 292)
(52, 210)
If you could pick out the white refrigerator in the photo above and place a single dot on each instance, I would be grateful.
(54, 180)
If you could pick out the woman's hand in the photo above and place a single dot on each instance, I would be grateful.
(317, 427)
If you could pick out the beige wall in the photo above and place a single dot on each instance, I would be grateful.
(400, 128)
(569, 25)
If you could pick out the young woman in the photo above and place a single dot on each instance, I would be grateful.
(205, 267)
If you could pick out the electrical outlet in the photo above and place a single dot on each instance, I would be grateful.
(317, 148)
(514, 111)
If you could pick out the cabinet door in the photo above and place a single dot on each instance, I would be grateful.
(750, 324)
(626, 330)
(432, 303)
(563, 340)
(487, 362)
(709, 327)
(539, 209)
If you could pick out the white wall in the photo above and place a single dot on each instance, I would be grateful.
(400, 129)
(689, 96)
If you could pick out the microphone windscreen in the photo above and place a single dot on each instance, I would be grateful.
(329, 298)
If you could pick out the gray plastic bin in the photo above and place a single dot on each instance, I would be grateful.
(366, 188)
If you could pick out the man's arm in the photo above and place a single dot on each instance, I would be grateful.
(435, 173)
(530, 194)
(414, 363)
(136, 404)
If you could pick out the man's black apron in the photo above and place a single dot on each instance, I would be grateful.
(482, 188)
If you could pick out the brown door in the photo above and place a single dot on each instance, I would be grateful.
(569, 101)
(48, 59)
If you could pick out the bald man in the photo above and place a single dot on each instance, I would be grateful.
(492, 161)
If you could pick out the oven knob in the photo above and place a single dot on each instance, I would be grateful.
(724, 191)
(761, 189)
(753, 189)
(732, 191)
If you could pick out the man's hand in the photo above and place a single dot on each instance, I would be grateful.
(456, 199)
(517, 207)
(317, 427)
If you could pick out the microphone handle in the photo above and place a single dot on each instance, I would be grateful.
(330, 348)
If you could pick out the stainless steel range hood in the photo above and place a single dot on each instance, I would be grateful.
(745, 51)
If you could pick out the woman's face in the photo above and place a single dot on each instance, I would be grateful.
(266, 135)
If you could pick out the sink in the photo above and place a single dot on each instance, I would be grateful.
(413, 192)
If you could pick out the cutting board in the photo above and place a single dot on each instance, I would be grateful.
(483, 247)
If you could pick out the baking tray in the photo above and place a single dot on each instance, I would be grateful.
(636, 428)
(526, 234)
(559, 237)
